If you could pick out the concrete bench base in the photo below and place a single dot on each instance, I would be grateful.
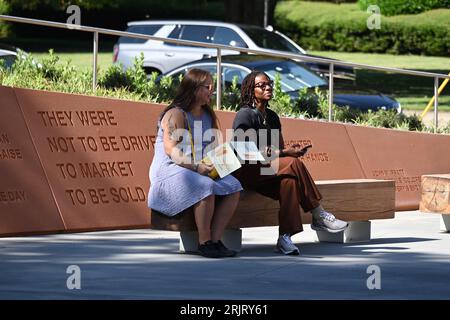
(232, 239)
(445, 222)
(357, 231)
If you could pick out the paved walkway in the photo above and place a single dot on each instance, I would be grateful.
(413, 257)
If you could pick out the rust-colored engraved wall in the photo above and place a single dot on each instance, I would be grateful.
(332, 155)
(96, 153)
(401, 156)
(73, 163)
(26, 201)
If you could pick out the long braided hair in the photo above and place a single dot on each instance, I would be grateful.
(185, 96)
(248, 88)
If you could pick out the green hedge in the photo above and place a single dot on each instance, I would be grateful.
(330, 27)
(394, 7)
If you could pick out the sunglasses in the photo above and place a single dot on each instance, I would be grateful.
(210, 87)
(263, 85)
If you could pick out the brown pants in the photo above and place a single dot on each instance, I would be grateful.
(292, 185)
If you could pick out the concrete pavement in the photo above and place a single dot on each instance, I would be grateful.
(413, 257)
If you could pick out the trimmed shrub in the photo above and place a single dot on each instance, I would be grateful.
(395, 7)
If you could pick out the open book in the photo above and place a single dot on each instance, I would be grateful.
(247, 150)
(223, 159)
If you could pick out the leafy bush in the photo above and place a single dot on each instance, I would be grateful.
(281, 102)
(134, 84)
(315, 105)
(414, 123)
(115, 77)
(442, 129)
(308, 102)
(232, 95)
(395, 7)
(135, 80)
(390, 119)
(51, 75)
(4, 9)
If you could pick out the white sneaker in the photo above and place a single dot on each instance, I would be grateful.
(285, 245)
(328, 222)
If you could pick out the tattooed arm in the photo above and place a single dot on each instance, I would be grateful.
(173, 124)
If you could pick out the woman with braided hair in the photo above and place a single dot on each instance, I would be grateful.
(289, 181)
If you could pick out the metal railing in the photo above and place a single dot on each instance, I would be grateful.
(219, 48)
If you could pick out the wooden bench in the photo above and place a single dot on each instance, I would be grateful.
(435, 197)
(357, 201)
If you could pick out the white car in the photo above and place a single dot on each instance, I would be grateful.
(7, 57)
(161, 56)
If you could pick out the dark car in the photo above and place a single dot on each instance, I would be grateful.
(294, 76)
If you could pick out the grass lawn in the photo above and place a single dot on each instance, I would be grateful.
(419, 103)
(81, 60)
(412, 92)
(413, 62)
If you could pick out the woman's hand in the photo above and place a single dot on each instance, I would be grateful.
(294, 151)
(204, 169)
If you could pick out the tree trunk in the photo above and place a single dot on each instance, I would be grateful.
(435, 193)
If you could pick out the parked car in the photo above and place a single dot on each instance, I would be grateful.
(294, 76)
(8, 55)
(160, 56)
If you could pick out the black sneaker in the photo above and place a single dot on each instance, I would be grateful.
(209, 249)
(224, 251)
